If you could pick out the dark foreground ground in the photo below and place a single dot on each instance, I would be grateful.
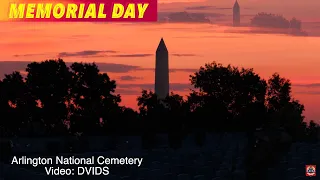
(223, 160)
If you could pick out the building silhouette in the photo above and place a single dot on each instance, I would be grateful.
(162, 71)
(236, 14)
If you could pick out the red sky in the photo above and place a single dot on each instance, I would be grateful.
(190, 46)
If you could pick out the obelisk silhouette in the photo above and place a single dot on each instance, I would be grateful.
(162, 71)
(236, 14)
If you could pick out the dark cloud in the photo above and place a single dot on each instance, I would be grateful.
(172, 70)
(308, 92)
(312, 85)
(129, 78)
(227, 36)
(183, 70)
(115, 68)
(223, 8)
(187, 17)
(173, 87)
(90, 54)
(210, 36)
(86, 53)
(312, 88)
(229, 16)
(166, 28)
(122, 91)
(27, 55)
(200, 7)
(183, 55)
(131, 55)
(260, 30)
(7, 67)
(207, 8)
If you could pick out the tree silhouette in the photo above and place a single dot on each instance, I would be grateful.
(278, 24)
(53, 95)
(150, 113)
(79, 99)
(295, 24)
(225, 93)
(269, 20)
(49, 82)
(128, 122)
(178, 111)
(284, 111)
(92, 99)
(16, 104)
(162, 116)
(313, 131)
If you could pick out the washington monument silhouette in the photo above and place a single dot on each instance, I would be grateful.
(162, 71)
(236, 14)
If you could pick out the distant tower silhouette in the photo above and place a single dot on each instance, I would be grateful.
(162, 71)
(236, 14)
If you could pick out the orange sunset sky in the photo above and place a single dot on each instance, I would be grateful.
(126, 51)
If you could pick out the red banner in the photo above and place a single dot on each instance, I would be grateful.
(85, 11)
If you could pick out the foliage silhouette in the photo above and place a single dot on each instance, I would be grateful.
(53, 96)
(223, 95)
(313, 131)
(161, 116)
(270, 20)
(278, 24)
(284, 111)
(54, 99)
(92, 98)
(48, 83)
(60, 100)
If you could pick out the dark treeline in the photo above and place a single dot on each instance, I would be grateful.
(279, 24)
(56, 100)
(275, 21)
